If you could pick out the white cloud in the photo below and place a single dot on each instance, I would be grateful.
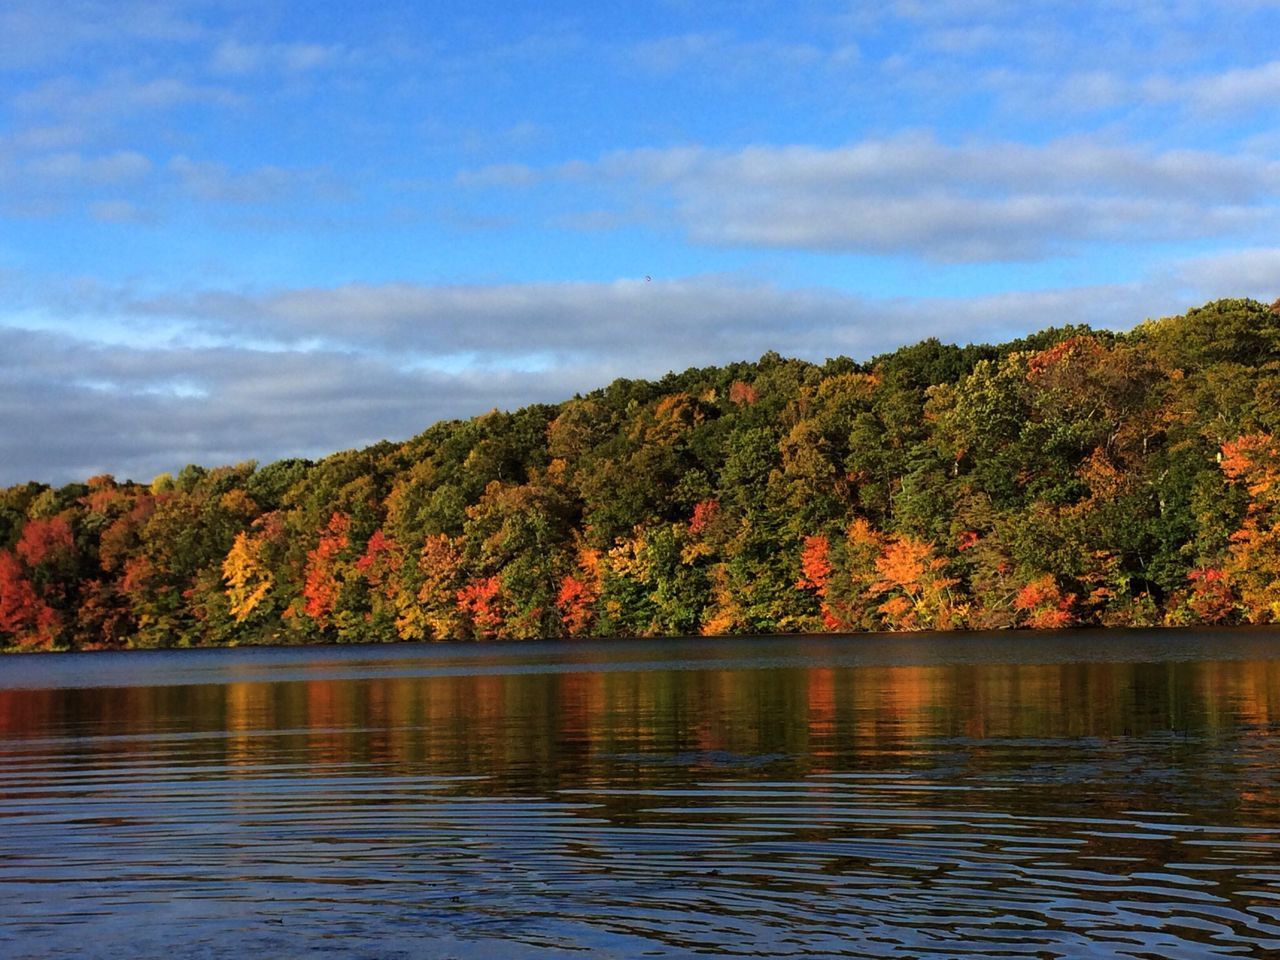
(117, 211)
(37, 32)
(492, 326)
(56, 136)
(114, 168)
(915, 195)
(1252, 272)
(1145, 63)
(136, 412)
(499, 175)
(343, 366)
(47, 185)
(1235, 89)
(966, 40)
(118, 95)
(214, 183)
(234, 57)
(720, 55)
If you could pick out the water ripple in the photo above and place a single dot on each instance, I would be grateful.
(672, 815)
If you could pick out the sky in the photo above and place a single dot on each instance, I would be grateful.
(252, 230)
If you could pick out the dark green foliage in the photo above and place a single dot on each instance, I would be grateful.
(1232, 331)
(269, 486)
(930, 362)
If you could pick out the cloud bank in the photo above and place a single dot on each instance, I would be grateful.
(914, 195)
(305, 372)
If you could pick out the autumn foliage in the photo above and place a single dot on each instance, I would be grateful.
(1044, 605)
(323, 576)
(24, 616)
(1073, 477)
(480, 603)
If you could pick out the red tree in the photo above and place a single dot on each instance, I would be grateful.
(479, 601)
(46, 542)
(704, 512)
(24, 618)
(322, 583)
(1044, 604)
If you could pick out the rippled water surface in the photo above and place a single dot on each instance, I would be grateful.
(1015, 796)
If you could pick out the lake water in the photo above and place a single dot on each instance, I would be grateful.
(1075, 795)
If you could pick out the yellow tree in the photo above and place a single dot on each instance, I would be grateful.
(1253, 565)
(436, 615)
(248, 579)
(724, 610)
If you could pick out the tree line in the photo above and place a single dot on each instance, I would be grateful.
(1072, 477)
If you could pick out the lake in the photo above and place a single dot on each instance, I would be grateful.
(1083, 794)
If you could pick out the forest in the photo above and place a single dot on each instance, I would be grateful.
(1074, 477)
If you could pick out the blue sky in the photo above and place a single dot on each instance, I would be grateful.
(252, 230)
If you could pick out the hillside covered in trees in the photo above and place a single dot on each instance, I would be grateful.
(1072, 477)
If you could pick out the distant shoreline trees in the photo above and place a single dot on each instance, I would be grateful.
(1074, 477)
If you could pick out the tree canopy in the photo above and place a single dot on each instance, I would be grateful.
(1071, 477)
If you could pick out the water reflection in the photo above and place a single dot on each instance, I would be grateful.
(1124, 809)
